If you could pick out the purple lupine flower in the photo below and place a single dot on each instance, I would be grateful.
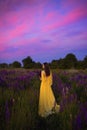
(81, 118)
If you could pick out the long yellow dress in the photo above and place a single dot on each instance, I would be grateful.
(46, 98)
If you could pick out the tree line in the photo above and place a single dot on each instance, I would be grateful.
(68, 62)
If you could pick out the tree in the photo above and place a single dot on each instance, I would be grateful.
(37, 65)
(85, 62)
(28, 62)
(10, 65)
(70, 61)
(61, 64)
(54, 64)
(79, 65)
(3, 65)
(16, 64)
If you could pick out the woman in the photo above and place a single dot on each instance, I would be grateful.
(47, 102)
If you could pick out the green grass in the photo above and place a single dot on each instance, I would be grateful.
(23, 106)
(24, 112)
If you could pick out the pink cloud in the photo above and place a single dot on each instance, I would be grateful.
(25, 25)
(25, 47)
(18, 31)
(7, 55)
(16, 17)
(20, 22)
(76, 15)
(69, 18)
(2, 47)
(5, 45)
(51, 15)
(11, 18)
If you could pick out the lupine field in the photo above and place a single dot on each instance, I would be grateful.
(19, 96)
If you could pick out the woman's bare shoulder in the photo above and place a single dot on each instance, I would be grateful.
(43, 72)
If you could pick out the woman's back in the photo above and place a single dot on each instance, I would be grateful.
(46, 79)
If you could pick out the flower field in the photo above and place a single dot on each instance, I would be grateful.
(19, 96)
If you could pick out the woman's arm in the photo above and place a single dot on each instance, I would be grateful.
(42, 75)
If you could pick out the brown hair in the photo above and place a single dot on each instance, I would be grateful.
(46, 69)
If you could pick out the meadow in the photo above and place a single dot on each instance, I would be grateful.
(19, 96)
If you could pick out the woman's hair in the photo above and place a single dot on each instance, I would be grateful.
(46, 69)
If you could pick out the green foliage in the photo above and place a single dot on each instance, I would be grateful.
(23, 112)
(85, 63)
(80, 65)
(61, 64)
(64, 78)
(37, 65)
(28, 62)
(80, 92)
(54, 64)
(68, 62)
(16, 64)
(3, 65)
(23, 106)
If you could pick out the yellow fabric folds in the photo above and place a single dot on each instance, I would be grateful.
(46, 98)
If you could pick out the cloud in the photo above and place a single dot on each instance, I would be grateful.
(39, 28)
(70, 18)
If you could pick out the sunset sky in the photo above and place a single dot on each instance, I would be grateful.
(42, 29)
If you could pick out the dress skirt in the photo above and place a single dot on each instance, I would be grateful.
(46, 98)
